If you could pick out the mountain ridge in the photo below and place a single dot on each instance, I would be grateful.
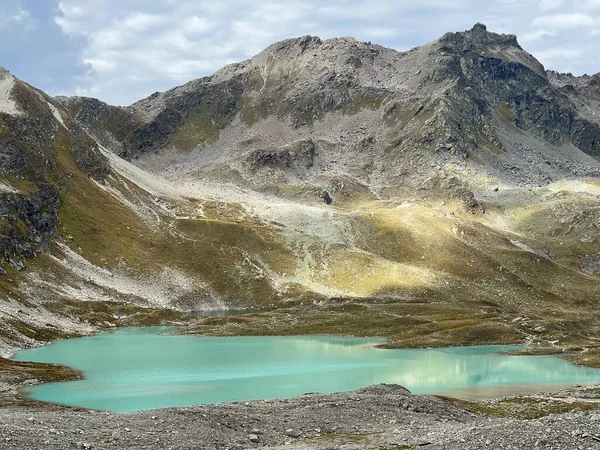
(334, 180)
(174, 115)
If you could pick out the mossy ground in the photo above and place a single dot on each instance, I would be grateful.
(456, 280)
(222, 248)
(42, 372)
(18, 373)
(526, 407)
(42, 334)
(108, 315)
(506, 111)
(588, 358)
(404, 324)
(194, 131)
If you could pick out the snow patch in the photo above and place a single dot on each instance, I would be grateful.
(7, 104)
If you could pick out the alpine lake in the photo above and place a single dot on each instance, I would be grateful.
(134, 369)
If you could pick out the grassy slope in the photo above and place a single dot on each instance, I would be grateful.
(473, 273)
(213, 249)
(459, 279)
(461, 275)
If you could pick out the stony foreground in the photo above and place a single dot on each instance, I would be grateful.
(378, 417)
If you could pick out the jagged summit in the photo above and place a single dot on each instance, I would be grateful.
(480, 34)
(462, 99)
(485, 43)
(303, 43)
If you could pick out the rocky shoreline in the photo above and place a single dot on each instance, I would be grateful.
(376, 417)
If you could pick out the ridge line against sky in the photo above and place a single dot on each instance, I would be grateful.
(123, 50)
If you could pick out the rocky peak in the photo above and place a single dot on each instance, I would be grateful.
(108, 125)
(442, 101)
(479, 41)
(568, 79)
(300, 44)
(477, 37)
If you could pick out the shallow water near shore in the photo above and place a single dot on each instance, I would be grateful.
(137, 369)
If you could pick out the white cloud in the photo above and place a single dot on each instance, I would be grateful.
(142, 22)
(563, 21)
(17, 18)
(552, 55)
(133, 48)
(536, 36)
(549, 5)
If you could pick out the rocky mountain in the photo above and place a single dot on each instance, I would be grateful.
(33, 139)
(296, 112)
(337, 181)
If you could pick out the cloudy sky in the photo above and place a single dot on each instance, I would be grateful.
(123, 50)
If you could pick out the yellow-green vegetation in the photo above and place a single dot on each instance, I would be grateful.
(363, 274)
(231, 253)
(404, 324)
(371, 102)
(9, 284)
(473, 275)
(104, 230)
(526, 407)
(460, 281)
(463, 255)
(39, 371)
(564, 225)
(541, 351)
(219, 252)
(419, 273)
(19, 373)
(249, 112)
(21, 184)
(43, 334)
(506, 111)
(589, 358)
(195, 130)
(116, 314)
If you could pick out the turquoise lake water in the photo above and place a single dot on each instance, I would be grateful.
(140, 368)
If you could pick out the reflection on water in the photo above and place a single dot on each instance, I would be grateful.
(138, 368)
